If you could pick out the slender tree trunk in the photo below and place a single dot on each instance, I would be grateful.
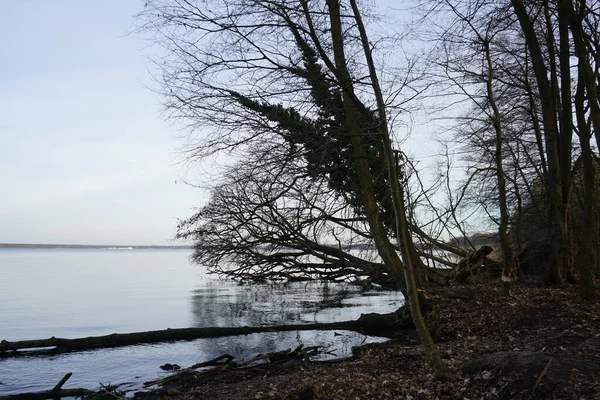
(354, 122)
(587, 74)
(539, 141)
(587, 263)
(507, 257)
(566, 135)
(402, 232)
(559, 261)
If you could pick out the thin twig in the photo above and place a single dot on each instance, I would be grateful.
(62, 382)
(539, 379)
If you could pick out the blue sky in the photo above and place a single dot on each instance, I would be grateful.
(85, 156)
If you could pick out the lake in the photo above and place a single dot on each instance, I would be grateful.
(88, 292)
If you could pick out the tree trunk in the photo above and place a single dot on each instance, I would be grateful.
(566, 135)
(507, 257)
(354, 121)
(559, 262)
(587, 263)
(587, 73)
(402, 232)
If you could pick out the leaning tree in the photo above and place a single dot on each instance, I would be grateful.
(240, 71)
(269, 219)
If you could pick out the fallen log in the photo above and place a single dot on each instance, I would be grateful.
(55, 393)
(470, 265)
(224, 359)
(78, 392)
(58, 345)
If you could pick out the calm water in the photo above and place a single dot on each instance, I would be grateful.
(76, 293)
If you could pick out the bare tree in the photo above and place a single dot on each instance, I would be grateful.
(477, 34)
(512, 60)
(241, 71)
(268, 219)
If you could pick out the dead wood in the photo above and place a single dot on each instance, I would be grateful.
(381, 326)
(60, 383)
(225, 364)
(539, 379)
(54, 393)
(218, 362)
(470, 265)
(224, 359)
(78, 392)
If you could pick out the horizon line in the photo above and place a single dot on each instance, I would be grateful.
(104, 246)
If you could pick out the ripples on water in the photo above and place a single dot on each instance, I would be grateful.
(76, 293)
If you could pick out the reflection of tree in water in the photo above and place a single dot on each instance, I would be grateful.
(226, 303)
(222, 303)
(333, 297)
(244, 347)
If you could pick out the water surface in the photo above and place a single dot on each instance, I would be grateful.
(76, 292)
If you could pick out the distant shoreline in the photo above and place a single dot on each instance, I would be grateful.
(89, 246)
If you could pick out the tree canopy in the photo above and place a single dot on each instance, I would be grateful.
(304, 96)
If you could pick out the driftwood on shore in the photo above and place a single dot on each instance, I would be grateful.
(470, 265)
(55, 393)
(376, 326)
(225, 364)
